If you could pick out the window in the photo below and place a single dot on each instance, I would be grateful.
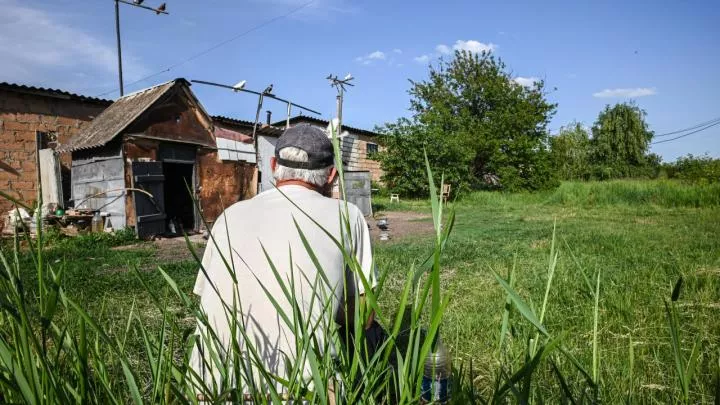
(372, 148)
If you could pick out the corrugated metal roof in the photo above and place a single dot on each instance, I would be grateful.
(123, 112)
(306, 118)
(262, 129)
(54, 93)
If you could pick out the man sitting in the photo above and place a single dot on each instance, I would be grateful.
(256, 257)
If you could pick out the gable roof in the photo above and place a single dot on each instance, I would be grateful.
(324, 123)
(53, 93)
(123, 112)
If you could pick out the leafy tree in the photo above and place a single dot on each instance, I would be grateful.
(621, 139)
(403, 161)
(570, 152)
(472, 111)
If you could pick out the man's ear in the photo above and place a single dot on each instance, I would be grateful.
(332, 176)
(273, 164)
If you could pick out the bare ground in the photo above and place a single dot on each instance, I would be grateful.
(401, 225)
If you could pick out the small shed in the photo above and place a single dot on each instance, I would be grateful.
(157, 142)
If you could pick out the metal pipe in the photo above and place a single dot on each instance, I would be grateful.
(339, 111)
(119, 50)
(255, 140)
(287, 120)
(257, 93)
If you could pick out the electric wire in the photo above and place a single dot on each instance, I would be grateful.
(216, 46)
(687, 134)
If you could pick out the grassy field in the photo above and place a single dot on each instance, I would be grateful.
(640, 236)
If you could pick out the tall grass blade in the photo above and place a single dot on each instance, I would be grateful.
(521, 306)
(596, 314)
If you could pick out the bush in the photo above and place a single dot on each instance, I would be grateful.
(694, 169)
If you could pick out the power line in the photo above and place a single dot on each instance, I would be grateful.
(218, 45)
(679, 131)
(689, 133)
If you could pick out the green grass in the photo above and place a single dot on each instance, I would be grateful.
(641, 235)
(637, 237)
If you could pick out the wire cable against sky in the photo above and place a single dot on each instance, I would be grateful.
(679, 131)
(216, 46)
(687, 134)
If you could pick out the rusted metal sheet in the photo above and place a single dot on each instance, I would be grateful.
(222, 183)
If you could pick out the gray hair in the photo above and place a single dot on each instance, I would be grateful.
(317, 177)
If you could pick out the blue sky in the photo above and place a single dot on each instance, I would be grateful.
(663, 54)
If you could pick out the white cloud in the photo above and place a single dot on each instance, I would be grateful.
(473, 46)
(460, 45)
(443, 49)
(38, 48)
(397, 51)
(625, 93)
(526, 81)
(377, 55)
(371, 57)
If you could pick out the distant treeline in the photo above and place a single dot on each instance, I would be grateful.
(482, 128)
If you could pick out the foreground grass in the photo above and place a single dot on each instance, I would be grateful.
(642, 236)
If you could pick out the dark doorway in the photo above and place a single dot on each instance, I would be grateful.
(179, 205)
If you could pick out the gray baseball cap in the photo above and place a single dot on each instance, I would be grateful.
(313, 141)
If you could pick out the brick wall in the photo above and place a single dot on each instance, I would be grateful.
(21, 115)
(365, 163)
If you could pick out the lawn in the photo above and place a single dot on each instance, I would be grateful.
(640, 236)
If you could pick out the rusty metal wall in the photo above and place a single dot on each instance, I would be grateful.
(223, 183)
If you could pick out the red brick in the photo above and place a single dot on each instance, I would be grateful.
(13, 145)
(20, 156)
(66, 121)
(7, 116)
(16, 126)
(25, 136)
(30, 146)
(23, 185)
(28, 117)
(28, 166)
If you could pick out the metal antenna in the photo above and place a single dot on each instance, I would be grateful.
(136, 3)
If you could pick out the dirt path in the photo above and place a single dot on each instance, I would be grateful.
(401, 224)
(170, 250)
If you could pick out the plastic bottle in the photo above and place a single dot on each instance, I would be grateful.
(436, 375)
(96, 226)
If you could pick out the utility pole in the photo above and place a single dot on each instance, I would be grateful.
(136, 3)
(340, 86)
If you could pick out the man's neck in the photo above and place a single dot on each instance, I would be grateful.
(301, 183)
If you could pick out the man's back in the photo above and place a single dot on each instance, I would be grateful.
(263, 230)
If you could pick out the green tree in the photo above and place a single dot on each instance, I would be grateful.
(621, 139)
(570, 152)
(475, 113)
(403, 162)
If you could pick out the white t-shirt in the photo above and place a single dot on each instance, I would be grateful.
(267, 222)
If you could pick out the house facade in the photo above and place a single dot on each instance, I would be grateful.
(33, 123)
